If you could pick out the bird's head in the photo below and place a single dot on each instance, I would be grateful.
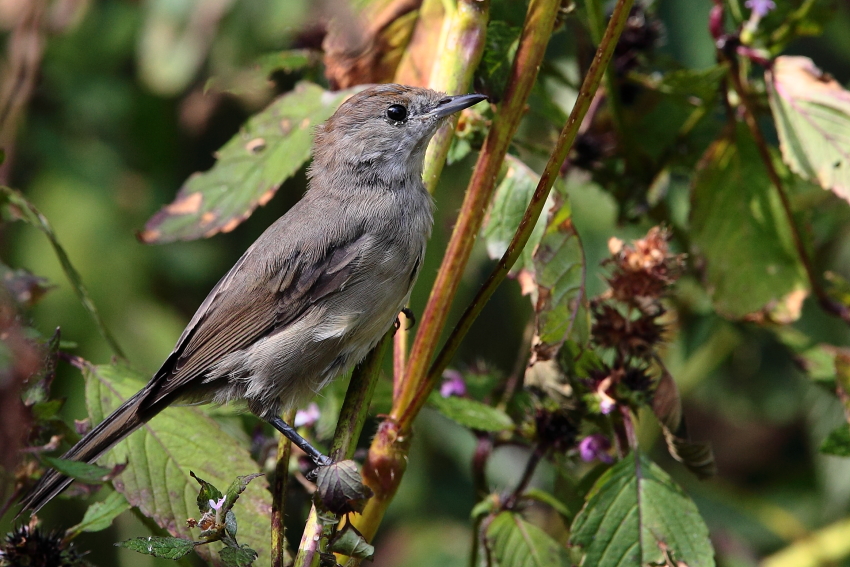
(384, 130)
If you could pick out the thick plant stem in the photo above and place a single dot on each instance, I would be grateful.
(461, 47)
(826, 302)
(532, 46)
(352, 416)
(538, 199)
(281, 477)
(387, 459)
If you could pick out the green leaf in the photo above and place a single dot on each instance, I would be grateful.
(26, 211)
(99, 515)
(837, 442)
(559, 273)
(162, 453)
(348, 541)
(341, 487)
(84, 472)
(812, 113)
(268, 149)
(739, 226)
(471, 413)
(701, 83)
(238, 556)
(515, 542)
(165, 547)
(288, 61)
(513, 193)
(236, 488)
(635, 515)
(206, 493)
(549, 500)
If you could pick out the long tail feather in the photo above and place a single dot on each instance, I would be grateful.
(118, 425)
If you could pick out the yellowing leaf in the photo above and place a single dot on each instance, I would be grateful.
(812, 113)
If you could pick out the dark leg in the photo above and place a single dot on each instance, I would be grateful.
(290, 433)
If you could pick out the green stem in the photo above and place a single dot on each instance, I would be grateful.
(538, 200)
(352, 416)
(462, 45)
(27, 212)
(535, 36)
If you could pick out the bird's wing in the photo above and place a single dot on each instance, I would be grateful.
(235, 314)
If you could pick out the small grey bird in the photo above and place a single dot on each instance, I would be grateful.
(317, 290)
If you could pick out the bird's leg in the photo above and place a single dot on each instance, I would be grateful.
(289, 432)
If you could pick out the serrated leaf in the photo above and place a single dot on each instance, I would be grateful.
(812, 114)
(739, 226)
(238, 556)
(559, 274)
(99, 515)
(341, 487)
(513, 193)
(84, 472)
(269, 148)
(165, 547)
(515, 542)
(837, 443)
(206, 493)
(348, 541)
(236, 488)
(635, 515)
(471, 413)
(164, 450)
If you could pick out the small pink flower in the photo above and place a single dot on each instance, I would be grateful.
(595, 447)
(453, 384)
(217, 505)
(307, 417)
(760, 7)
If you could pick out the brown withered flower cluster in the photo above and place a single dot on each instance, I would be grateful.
(626, 317)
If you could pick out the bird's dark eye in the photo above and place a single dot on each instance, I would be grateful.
(397, 113)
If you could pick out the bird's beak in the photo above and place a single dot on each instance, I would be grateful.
(451, 104)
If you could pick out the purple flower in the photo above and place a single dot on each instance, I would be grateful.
(595, 447)
(217, 505)
(760, 7)
(307, 417)
(453, 384)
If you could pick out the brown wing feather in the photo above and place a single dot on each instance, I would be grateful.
(228, 322)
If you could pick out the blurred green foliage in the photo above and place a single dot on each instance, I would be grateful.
(132, 98)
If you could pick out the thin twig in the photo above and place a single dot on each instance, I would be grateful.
(532, 45)
(538, 200)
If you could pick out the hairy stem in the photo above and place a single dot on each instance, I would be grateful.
(538, 200)
(461, 47)
(387, 459)
(532, 45)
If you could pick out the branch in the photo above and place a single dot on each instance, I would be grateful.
(538, 200)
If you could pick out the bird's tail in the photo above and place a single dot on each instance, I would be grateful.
(118, 425)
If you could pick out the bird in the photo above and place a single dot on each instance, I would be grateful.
(316, 291)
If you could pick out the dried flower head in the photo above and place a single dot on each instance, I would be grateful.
(644, 270)
(28, 545)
